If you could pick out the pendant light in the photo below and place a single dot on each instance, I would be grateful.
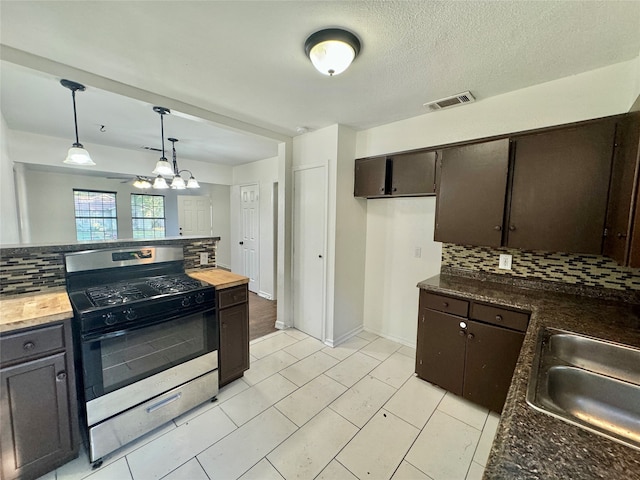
(163, 167)
(77, 154)
(178, 182)
(142, 182)
(332, 50)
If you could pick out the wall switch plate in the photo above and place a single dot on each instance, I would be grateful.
(417, 252)
(204, 258)
(505, 261)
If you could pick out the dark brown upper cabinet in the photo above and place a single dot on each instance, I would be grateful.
(405, 174)
(622, 240)
(559, 189)
(544, 191)
(371, 177)
(471, 194)
(413, 173)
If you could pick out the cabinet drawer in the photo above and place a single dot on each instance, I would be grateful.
(499, 316)
(30, 343)
(232, 296)
(446, 304)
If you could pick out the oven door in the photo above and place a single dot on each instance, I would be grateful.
(148, 357)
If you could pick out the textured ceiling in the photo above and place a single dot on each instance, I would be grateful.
(245, 59)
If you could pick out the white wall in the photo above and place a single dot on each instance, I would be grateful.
(9, 228)
(265, 174)
(396, 226)
(221, 222)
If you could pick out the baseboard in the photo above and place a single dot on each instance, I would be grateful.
(402, 341)
(343, 338)
(265, 295)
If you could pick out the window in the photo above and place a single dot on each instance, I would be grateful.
(147, 215)
(96, 217)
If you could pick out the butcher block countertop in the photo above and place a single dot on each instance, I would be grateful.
(219, 278)
(21, 311)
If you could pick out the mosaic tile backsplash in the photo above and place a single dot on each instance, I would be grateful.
(586, 270)
(36, 269)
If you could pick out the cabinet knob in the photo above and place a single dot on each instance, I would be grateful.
(498, 318)
(621, 235)
(29, 346)
(395, 189)
(497, 228)
(512, 227)
(445, 304)
(61, 376)
(382, 190)
(471, 336)
(463, 325)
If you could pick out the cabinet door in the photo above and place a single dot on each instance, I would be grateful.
(234, 342)
(623, 177)
(559, 191)
(440, 350)
(36, 428)
(414, 173)
(370, 177)
(491, 356)
(471, 194)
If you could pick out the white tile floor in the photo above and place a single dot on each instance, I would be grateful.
(307, 411)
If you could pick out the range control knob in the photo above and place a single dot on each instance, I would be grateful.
(110, 318)
(199, 297)
(130, 314)
(186, 301)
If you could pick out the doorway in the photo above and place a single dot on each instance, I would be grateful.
(249, 234)
(309, 238)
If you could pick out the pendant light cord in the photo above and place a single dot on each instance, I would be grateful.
(75, 119)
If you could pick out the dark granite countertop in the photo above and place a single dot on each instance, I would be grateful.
(530, 444)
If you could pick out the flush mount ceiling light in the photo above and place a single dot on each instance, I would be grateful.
(332, 50)
(163, 167)
(178, 181)
(77, 155)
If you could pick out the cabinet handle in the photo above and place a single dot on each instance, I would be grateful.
(497, 228)
(471, 336)
(61, 376)
(445, 304)
(621, 235)
(29, 346)
(512, 227)
(498, 318)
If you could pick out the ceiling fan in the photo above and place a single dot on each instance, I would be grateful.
(138, 181)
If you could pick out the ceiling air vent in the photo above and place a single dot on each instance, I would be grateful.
(459, 99)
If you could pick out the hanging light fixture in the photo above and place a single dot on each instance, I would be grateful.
(332, 50)
(77, 154)
(142, 182)
(163, 167)
(160, 183)
(178, 182)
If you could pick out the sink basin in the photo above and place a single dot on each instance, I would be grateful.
(588, 382)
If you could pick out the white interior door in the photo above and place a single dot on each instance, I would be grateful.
(309, 233)
(194, 215)
(249, 234)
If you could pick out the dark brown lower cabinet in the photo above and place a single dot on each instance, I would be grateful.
(37, 402)
(233, 318)
(471, 358)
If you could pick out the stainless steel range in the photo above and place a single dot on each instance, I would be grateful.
(147, 341)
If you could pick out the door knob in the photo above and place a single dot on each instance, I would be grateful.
(241, 243)
(319, 256)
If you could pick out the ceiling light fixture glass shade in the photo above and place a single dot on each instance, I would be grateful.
(77, 155)
(178, 183)
(141, 182)
(160, 183)
(332, 50)
(193, 183)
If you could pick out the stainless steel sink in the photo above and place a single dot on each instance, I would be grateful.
(588, 382)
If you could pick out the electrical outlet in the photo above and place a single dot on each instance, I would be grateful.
(505, 261)
(204, 258)
(417, 252)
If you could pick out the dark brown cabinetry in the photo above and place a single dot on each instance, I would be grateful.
(37, 401)
(405, 174)
(468, 348)
(554, 199)
(471, 194)
(233, 315)
(622, 240)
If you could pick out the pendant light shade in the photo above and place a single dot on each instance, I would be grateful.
(332, 50)
(178, 183)
(77, 155)
(193, 183)
(160, 183)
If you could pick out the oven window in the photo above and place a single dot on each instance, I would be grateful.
(140, 353)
